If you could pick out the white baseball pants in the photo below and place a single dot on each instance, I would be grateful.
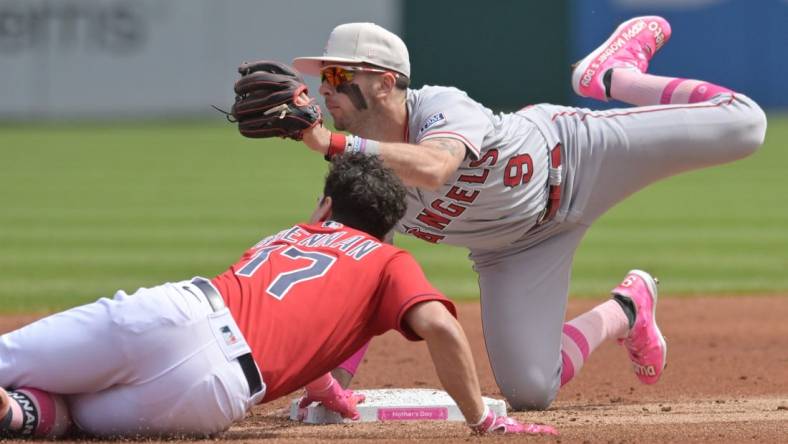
(145, 364)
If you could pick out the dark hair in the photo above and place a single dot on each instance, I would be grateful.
(365, 194)
(403, 82)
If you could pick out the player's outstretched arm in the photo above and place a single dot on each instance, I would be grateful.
(456, 370)
(427, 165)
(451, 355)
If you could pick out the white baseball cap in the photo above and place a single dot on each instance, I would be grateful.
(359, 43)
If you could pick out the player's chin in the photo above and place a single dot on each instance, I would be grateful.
(339, 123)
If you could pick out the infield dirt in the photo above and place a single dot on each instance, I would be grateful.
(726, 381)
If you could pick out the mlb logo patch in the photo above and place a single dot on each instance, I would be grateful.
(229, 337)
(432, 121)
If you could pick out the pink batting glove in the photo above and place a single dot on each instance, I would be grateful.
(506, 425)
(334, 398)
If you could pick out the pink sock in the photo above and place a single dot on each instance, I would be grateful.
(583, 334)
(38, 413)
(634, 87)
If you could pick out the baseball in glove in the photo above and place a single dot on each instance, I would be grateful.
(271, 101)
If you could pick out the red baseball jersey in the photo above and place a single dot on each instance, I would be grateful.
(308, 297)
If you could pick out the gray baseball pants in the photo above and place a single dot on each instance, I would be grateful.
(607, 156)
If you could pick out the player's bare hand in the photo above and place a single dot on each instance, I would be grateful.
(317, 138)
(493, 423)
(335, 398)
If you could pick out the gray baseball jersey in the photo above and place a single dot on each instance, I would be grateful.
(500, 188)
(491, 205)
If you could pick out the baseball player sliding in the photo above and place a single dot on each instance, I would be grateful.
(520, 190)
(192, 357)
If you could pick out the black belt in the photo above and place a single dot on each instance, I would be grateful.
(248, 365)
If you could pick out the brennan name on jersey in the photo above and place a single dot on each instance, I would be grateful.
(354, 246)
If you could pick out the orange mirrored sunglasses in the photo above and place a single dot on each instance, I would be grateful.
(337, 75)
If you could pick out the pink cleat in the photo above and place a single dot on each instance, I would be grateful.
(645, 343)
(631, 46)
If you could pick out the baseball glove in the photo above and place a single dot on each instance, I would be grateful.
(271, 101)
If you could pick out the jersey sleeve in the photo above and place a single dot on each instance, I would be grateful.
(402, 286)
(452, 114)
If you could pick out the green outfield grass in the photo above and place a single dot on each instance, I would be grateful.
(89, 209)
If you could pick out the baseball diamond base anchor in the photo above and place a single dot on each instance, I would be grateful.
(395, 405)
